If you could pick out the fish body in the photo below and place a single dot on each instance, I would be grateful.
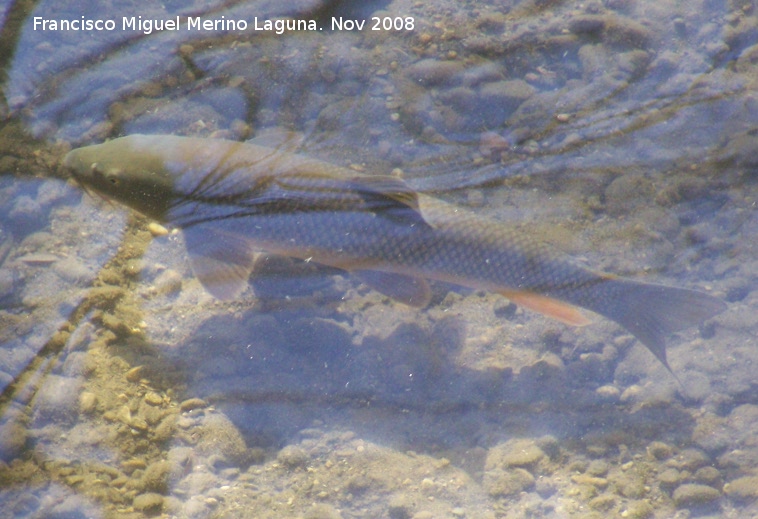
(233, 199)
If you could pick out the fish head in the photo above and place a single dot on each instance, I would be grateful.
(126, 171)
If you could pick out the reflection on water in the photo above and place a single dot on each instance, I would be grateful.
(623, 133)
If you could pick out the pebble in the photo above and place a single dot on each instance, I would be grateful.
(134, 374)
(691, 494)
(39, 259)
(157, 229)
(87, 402)
(153, 398)
(192, 403)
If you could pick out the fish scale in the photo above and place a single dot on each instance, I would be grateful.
(230, 199)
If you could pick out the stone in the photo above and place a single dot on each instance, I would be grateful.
(148, 503)
(742, 489)
(691, 494)
(514, 453)
(292, 457)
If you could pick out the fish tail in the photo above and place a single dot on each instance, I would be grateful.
(651, 312)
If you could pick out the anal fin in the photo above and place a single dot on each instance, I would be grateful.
(558, 310)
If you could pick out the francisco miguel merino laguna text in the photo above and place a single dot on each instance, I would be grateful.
(147, 26)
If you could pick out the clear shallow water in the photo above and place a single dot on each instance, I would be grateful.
(623, 133)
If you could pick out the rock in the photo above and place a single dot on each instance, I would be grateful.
(549, 445)
(57, 399)
(73, 270)
(639, 510)
(168, 282)
(660, 450)
(218, 435)
(691, 494)
(292, 457)
(322, 511)
(429, 72)
(13, 436)
(603, 503)
(742, 489)
(502, 98)
(156, 477)
(87, 402)
(669, 478)
(150, 503)
(692, 459)
(630, 485)
(400, 507)
(500, 483)
(708, 476)
(628, 192)
(608, 393)
(597, 468)
(514, 453)
(153, 398)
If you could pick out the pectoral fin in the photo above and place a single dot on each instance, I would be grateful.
(558, 310)
(405, 289)
(221, 261)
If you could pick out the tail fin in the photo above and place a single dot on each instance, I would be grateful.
(652, 312)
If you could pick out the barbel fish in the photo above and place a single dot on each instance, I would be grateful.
(232, 200)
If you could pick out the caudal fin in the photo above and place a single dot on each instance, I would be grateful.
(652, 312)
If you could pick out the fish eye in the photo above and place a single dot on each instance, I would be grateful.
(110, 175)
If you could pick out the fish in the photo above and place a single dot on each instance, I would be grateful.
(233, 200)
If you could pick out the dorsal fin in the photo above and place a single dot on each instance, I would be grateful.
(390, 197)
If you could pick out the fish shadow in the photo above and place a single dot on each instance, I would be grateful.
(285, 365)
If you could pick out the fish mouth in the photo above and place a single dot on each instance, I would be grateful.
(91, 192)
